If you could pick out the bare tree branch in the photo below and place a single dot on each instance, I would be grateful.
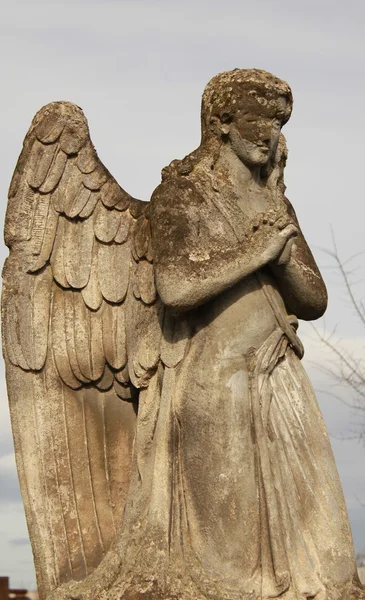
(346, 369)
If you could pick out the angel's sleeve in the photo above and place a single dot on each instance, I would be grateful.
(300, 281)
(182, 241)
(78, 278)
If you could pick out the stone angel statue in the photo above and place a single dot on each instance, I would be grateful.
(168, 441)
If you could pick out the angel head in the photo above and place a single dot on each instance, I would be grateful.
(247, 109)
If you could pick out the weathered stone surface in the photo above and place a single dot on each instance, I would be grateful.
(168, 441)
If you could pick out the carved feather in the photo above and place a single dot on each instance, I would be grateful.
(57, 200)
(47, 243)
(123, 204)
(40, 215)
(26, 392)
(123, 390)
(144, 330)
(137, 207)
(124, 226)
(10, 326)
(91, 293)
(72, 188)
(61, 424)
(59, 340)
(86, 527)
(36, 152)
(113, 271)
(106, 382)
(58, 197)
(55, 174)
(51, 126)
(80, 201)
(123, 375)
(11, 297)
(94, 180)
(90, 205)
(141, 237)
(57, 260)
(87, 159)
(96, 446)
(43, 158)
(146, 281)
(149, 347)
(114, 335)
(149, 254)
(70, 329)
(135, 286)
(96, 344)
(33, 316)
(88, 340)
(106, 223)
(77, 251)
(19, 215)
(112, 194)
(18, 174)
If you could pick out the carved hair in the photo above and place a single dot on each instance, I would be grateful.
(243, 90)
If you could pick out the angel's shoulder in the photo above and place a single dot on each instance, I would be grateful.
(178, 194)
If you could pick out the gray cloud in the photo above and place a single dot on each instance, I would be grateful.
(6, 442)
(9, 486)
(19, 542)
(9, 490)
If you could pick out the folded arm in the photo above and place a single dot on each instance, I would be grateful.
(189, 269)
(298, 277)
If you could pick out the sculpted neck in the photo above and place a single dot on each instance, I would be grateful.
(228, 164)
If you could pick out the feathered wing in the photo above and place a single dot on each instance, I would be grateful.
(80, 323)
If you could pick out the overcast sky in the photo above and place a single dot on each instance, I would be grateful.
(138, 69)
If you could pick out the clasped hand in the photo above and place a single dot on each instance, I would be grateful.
(276, 232)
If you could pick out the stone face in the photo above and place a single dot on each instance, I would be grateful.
(168, 441)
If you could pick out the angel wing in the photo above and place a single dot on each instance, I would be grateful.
(81, 332)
